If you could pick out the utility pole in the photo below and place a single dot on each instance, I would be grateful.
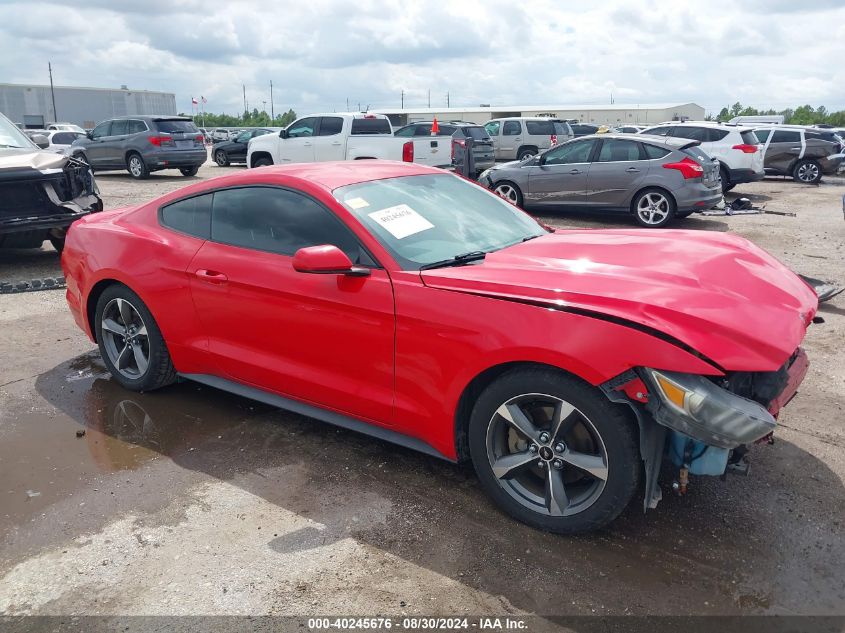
(264, 107)
(53, 93)
(447, 100)
(272, 110)
(403, 99)
(245, 108)
(347, 104)
(429, 97)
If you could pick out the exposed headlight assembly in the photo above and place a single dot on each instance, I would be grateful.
(484, 174)
(701, 409)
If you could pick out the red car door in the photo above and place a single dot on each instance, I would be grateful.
(323, 339)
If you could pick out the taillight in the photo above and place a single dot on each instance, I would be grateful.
(199, 138)
(161, 139)
(457, 141)
(688, 168)
(745, 148)
(408, 152)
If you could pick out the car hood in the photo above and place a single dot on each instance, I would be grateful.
(716, 293)
(22, 158)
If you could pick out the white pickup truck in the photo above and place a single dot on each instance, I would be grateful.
(345, 136)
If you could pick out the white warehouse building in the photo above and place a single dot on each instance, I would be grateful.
(614, 114)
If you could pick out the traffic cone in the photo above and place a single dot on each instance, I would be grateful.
(435, 129)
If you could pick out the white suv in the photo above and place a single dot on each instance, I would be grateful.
(735, 147)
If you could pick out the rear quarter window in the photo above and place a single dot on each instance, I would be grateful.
(698, 154)
(191, 216)
(653, 151)
(371, 126)
(540, 128)
(749, 138)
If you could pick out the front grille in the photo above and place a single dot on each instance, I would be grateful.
(760, 386)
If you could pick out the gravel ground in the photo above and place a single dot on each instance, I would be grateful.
(192, 501)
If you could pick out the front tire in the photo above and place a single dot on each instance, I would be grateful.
(263, 162)
(587, 447)
(653, 208)
(509, 191)
(807, 172)
(221, 158)
(137, 167)
(131, 344)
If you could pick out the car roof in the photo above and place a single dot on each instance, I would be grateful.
(670, 142)
(715, 124)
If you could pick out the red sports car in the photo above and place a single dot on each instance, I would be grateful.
(408, 303)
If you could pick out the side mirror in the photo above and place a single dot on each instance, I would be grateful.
(90, 135)
(42, 141)
(538, 160)
(326, 260)
(283, 134)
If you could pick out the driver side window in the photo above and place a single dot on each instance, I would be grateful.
(279, 221)
(101, 130)
(570, 153)
(303, 127)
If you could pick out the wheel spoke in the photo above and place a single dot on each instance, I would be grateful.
(556, 500)
(125, 312)
(507, 465)
(123, 357)
(516, 418)
(563, 419)
(140, 359)
(110, 325)
(592, 464)
(142, 331)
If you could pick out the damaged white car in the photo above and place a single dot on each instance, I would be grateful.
(41, 192)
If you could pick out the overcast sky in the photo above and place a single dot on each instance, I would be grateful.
(319, 53)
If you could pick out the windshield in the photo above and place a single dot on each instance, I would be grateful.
(431, 218)
(11, 136)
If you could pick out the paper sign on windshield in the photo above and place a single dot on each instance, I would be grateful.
(401, 221)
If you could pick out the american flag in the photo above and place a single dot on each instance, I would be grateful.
(194, 101)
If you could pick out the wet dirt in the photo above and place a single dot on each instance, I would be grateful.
(189, 500)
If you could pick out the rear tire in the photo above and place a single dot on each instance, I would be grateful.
(221, 158)
(509, 191)
(727, 185)
(807, 172)
(190, 171)
(131, 344)
(526, 152)
(58, 243)
(653, 208)
(588, 446)
(137, 167)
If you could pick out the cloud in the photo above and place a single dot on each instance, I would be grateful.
(323, 52)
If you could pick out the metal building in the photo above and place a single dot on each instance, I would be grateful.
(615, 114)
(32, 106)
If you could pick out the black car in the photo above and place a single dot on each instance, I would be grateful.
(584, 129)
(41, 192)
(482, 147)
(234, 151)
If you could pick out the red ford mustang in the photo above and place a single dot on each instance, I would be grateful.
(410, 304)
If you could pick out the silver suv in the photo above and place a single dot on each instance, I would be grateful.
(518, 138)
(143, 144)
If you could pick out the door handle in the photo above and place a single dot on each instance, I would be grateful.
(574, 171)
(337, 143)
(632, 170)
(306, 144)
(211, 276)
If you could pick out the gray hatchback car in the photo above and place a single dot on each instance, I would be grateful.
(655, 178)
(143, 144)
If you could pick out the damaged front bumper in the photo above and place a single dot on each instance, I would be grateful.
(704, 425)
(44, 198)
